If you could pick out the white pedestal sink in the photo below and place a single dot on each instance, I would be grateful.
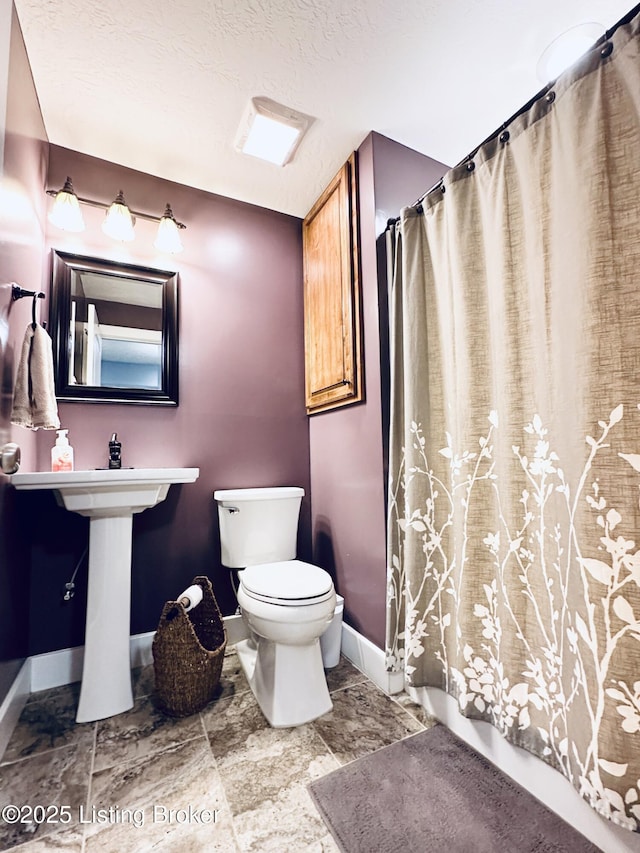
(109, 498)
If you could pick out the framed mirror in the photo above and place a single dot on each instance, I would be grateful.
(114, 328)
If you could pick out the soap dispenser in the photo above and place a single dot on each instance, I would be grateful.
(62, 453)
(115, 452)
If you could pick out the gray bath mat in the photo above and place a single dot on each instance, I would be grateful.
(431, 793)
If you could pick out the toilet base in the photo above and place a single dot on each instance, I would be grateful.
(288, 681)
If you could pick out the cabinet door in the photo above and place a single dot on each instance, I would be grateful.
(332, 296)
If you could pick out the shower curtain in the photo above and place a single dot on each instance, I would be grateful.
(514, 519)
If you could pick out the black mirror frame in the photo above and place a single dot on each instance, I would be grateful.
(64, 264)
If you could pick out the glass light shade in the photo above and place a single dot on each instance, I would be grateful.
(66, 213)
(168, 236)
(566, 49)
(118, 223)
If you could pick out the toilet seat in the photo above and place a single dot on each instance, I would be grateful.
(291, 583)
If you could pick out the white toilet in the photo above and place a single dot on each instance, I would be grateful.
(286, 603)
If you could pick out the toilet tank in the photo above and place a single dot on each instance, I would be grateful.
(258, 525)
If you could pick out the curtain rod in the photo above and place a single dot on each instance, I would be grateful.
(503, 127)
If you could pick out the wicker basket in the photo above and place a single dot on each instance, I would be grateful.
(188, 651)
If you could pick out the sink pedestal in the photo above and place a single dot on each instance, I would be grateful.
(110, 499)
(106, 671)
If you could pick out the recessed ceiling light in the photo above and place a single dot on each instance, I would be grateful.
(271, 131)
(566, 49)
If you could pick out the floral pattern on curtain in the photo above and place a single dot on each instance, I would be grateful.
(514, 517)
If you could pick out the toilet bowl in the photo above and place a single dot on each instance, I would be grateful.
(283, 659)
(286, 603)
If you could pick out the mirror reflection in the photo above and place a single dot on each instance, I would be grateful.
(114, 328)
(115, 332)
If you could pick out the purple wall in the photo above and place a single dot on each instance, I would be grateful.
(22, 170)
(401, 175)
(241, 417)
(348, 445)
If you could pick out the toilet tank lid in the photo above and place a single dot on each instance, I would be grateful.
(261, 494)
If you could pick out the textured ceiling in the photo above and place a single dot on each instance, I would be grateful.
(161, 85)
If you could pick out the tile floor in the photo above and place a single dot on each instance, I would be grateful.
(221, 780)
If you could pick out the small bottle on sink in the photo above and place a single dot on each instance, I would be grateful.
(115, 452)
(62, 453)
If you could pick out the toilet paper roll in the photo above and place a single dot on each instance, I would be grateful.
(191, 597)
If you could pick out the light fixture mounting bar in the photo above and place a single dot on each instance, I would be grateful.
(149, 217)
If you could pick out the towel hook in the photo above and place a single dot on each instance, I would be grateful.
(36, 296)
(18, 292)
(33, 311)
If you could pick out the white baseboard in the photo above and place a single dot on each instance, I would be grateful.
(370, 660)
(54, 669)
(13, 703)
(236, 629)
(542, 781)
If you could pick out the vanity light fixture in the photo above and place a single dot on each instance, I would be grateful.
(271, 131)
(168, 236)
(566, 49)
(66, 213)
(119, 220)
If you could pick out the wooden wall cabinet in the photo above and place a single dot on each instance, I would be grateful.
(332, 312)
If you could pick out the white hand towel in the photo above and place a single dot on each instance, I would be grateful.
(34, 399)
